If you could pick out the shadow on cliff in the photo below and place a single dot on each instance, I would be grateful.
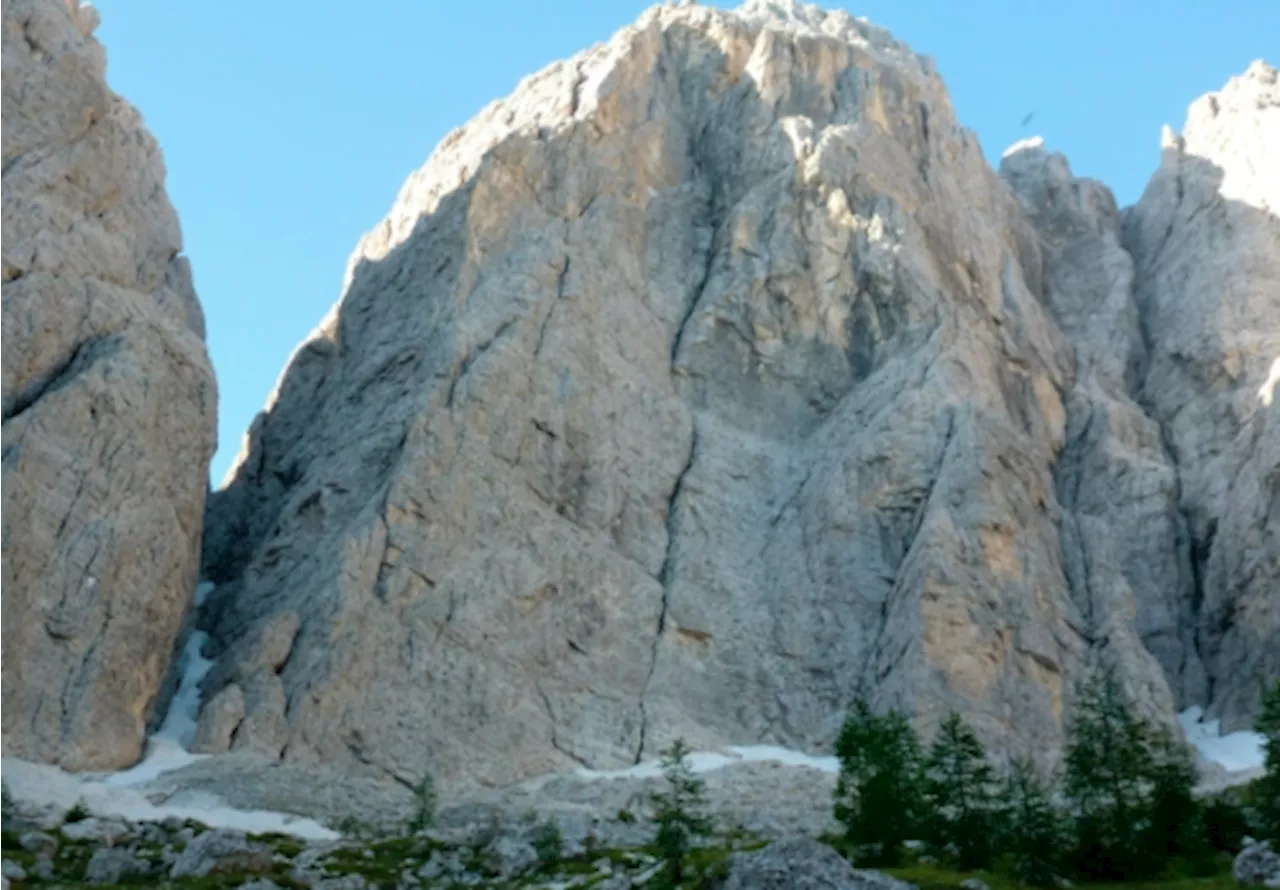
(1231, 557)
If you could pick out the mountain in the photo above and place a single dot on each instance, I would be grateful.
(109, 403)
(713, 379)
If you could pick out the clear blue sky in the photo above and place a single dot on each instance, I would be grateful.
(289, 126)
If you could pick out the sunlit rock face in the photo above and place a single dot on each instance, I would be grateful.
(1205, 239)
(707, 382)
(109, 403)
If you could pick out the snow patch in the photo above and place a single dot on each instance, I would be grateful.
(1235, 751)
(709, 761)
(49, 785)
(123, 794)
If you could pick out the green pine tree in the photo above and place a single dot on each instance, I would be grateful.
(959, 796)
(1129, 786)
(680, 812)
(1175, 827)
(1267, 793)
(1032, 829)
(877, 795)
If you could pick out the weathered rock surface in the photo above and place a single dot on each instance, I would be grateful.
(1205, 239)
(221, 850)
(1257, 865)
(691, 391)
(708, 381)
(109, 403)
(803, 864)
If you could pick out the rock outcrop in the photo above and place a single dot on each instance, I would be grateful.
(707, 382)
(109, 403)
(1205, 239)
(692, 390)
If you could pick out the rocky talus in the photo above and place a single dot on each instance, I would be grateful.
(712, 379)
(109, 403)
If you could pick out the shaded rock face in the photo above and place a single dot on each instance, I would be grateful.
(707, 382)
(1124, 543)
(109, 403)
(1205, 239)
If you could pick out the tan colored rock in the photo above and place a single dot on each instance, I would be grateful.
(1206, 245)
(109, 403)
(698, 387)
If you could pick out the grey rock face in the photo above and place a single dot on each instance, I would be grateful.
(1257, 865)
(692, 390)
(109, 403)
(1206, 245)
(710, 380)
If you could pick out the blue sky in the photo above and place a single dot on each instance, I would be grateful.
(288, 126)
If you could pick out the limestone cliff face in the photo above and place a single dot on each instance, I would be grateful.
(1205, 239)
(695, 389)
(109, 403)
(707, 382)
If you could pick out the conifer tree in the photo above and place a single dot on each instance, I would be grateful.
(1174, 826)
(424, 805)
(959, 796)
(7, 808)
(877, 796)
(1032, 828)
(1129, 786)
(679, 812)
(1267, 792)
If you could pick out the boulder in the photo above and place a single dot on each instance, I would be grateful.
(802, 864)
(221, 850)
(1257, 865)
(116, 865)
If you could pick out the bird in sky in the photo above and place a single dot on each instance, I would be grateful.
(1026, 120)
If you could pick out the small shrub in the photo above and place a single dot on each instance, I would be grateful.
(959, 796)
(78, 813)
(7, 808)
(1108, 762)
(877, 796)
(548, 843)
(626, 817)
(679, 812)
(424, 814)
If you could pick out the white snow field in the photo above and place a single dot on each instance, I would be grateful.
(117, 794)
(707, 761)
(1235, 751)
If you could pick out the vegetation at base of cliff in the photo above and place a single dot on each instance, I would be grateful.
(1121, 811)
(938, 877)
(1121, 814)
